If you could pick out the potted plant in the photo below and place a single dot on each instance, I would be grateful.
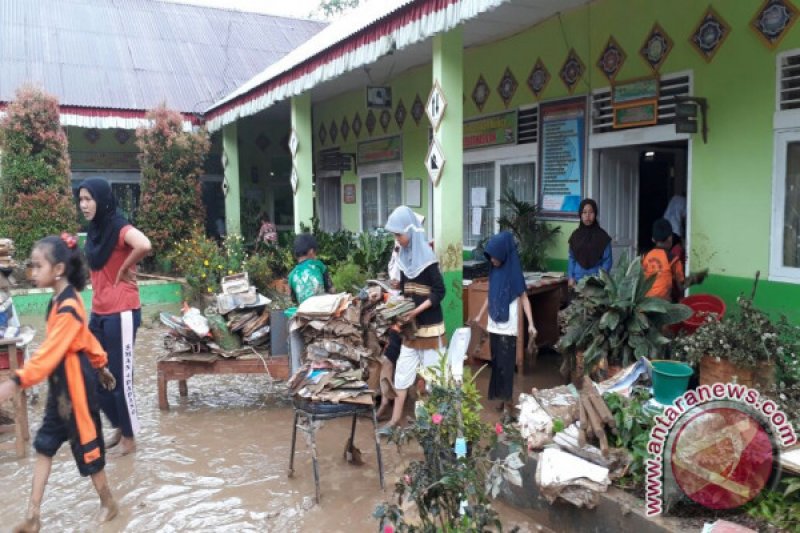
(612, 321)
(741, 348)
(534, 236)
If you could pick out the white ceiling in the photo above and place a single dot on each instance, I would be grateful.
(508, 19)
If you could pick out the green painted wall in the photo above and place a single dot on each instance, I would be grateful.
(731, 175)
(35, 301)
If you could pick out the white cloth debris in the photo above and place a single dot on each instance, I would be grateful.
(561, 474)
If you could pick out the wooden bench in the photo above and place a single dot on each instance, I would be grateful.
(22, 435)
(181, 368)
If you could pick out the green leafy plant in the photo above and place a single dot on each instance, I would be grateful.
(348, 277)
(373, 249)
(633, 432)
(332, 248)
(534, 236)
(258, 269)
(780, 508)
(35, 191)
(204, 263)
(450, 492)
(612, 318)
(172, 162)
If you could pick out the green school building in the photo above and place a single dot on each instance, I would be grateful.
(556, 100)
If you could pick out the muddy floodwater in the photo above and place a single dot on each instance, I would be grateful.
(216, 461)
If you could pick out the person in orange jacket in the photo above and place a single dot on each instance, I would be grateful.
(73, 361)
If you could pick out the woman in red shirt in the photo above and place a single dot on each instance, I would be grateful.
(113, 248)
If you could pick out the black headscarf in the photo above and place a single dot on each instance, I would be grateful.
(588, 243)
(507, 281)
(104, 228)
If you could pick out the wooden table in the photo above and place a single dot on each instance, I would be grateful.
(545, 296)
(181, 367)
(20, 414)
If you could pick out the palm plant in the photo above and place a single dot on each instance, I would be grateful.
(612, 318)
(534, 236)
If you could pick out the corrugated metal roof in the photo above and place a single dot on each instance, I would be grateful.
(135, 54)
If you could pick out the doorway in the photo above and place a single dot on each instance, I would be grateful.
(634, 185)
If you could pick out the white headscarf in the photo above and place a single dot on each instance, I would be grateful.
(417, 256)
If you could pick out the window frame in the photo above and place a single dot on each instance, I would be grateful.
(375, 172)
(477, 158)
(777, 270)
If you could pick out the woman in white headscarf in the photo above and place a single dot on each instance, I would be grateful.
(420, 280)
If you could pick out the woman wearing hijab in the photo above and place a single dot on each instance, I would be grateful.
(589, 245)
(506, 289)
(113, 248)
(420, 280)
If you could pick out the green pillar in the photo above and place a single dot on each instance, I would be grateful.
(303, 160)
(448, 214)
(230, 154)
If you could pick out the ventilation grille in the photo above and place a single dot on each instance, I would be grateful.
(528, 125)
(789, 82)
(669, 88)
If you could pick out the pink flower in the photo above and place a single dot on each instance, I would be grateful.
(407, 479)
(388, 529)
(437, 418)
(498, 428)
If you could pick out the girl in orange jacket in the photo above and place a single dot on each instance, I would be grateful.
(72, 361)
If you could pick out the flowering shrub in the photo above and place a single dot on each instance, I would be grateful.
(36, 192)
(204, 263)
(450, 489)
(172, 163)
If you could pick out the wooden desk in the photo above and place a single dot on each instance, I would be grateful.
(181, 368)
(545, 296)
(20, 414)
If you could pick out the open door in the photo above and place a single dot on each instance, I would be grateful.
(618, 198)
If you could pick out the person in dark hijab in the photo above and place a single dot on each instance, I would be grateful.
(507, 290)
(589, 245)
(113, 248)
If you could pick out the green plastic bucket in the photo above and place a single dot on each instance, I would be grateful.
(670, 379)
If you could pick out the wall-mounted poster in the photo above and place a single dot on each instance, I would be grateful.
(562, 155)
(349, 193)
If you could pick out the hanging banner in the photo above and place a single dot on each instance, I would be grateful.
(494, 130)
(562, 155)
(380, 150)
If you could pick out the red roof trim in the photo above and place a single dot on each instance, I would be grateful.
(104, 112)
(402, 17)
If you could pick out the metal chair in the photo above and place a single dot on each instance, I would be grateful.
(316, 411)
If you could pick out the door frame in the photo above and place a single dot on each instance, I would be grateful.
(651, 136)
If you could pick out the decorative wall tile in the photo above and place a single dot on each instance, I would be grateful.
(356, 125)
(538, 78)
(417, 109)
(122, 135)
(385, 119)
(322, 134)
(92, 135)
(371, 121)
(773, 21)
(345, 129)
(572, 70)
(400, 114)
(333, 131)
(612, 59)
(262, 142)
(508, 86)
(656, 47)
(709, 34)
(480, 94)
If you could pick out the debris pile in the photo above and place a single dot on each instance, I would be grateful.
(7, 263)
(237, 323)
(342, 336)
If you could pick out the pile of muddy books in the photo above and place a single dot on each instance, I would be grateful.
(343, 344)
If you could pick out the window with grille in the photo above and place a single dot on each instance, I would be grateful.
(789, 82)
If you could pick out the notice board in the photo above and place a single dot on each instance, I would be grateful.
(562, 155)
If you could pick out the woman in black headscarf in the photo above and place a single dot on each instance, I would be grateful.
(113, 248)
(589, 245)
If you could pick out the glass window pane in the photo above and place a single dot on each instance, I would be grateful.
(391, 194)
(369, 203)
(791, 213)
(478, 218)
(518, 179)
